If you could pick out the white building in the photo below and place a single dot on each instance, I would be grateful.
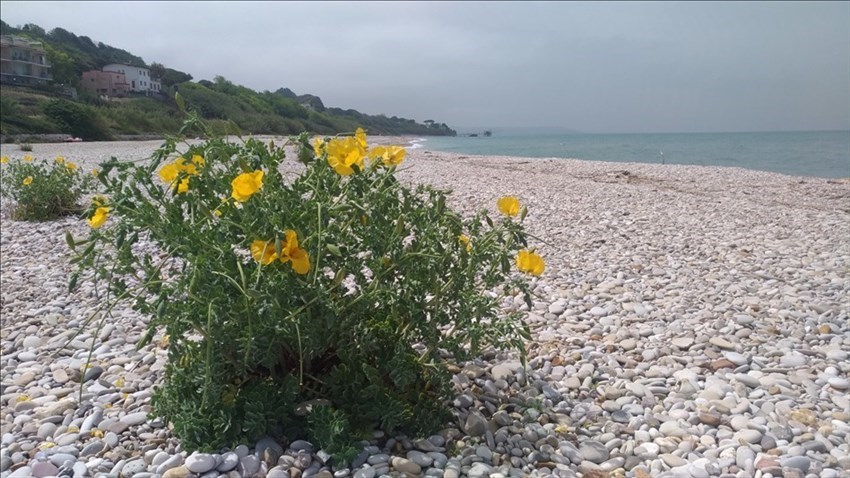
(139, 78)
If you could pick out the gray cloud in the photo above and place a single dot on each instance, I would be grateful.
(601, 67)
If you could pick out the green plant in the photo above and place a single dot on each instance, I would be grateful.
(77, 119)
(25, 147)
(342, 289)
(44, 190)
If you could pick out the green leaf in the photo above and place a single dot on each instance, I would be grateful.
(181, 104)
(333, 249)
(69, 239)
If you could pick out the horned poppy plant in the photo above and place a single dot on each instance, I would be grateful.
(530, 262)
(99, 217)
(509, 205)
(389, 155)
(464, 239)
(343, 153)
(298, 257)
(263, 252)
(246, 185)
(296, 284)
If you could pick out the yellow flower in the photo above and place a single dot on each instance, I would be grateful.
(27, 180)
(28, 158)
(464, 239)
(319, 146)
(4, 160)
(529, 262)
(291, 252)
(509, 205)
(343, 153)
(94, 172)
(389, 155)
(360, 136)
(71, 166)
(169, 172)
(99, 217)
(183, 186)
(246, 185)
(59, 159)
(263, 252)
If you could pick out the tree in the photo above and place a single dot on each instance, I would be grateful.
(168, 76)
(62, 66)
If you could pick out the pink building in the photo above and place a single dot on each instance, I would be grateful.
(105, 83)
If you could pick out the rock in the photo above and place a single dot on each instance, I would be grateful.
(133, 467)
(134, 419)
(403, 465)
(593, 451)
(683, 343)
(200, 462)
(229, 461)
(801, 463)
(722, 343)
(177, 472)
(475, 424)
(43, 469)
(839, 383)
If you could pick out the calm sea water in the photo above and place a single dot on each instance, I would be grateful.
(810, 153)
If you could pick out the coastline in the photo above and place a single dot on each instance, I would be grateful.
(691, 319)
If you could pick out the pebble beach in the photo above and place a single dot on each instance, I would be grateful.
(691, 322)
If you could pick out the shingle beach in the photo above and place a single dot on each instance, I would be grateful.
(691, 322)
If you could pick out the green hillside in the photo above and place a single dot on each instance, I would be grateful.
(46, 109)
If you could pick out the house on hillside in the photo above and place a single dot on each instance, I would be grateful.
(23, 61)
(105, 83)
(137, 77)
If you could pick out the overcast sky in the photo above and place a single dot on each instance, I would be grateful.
(593, 67)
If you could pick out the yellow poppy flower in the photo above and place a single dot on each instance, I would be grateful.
(27, 180)
(263, 252)
(4, 160)
(509, 205)
(71, 166)
(28, 158)
(464, 239)
(319, 146)
(198, 160)
(60, 159)
(169, 172)
(291, 252)
(389, 155)
(343, 153)
(360, 136)
(246, 185)
(94, 172)
(530, 262)
(99, 217)
(183, 186)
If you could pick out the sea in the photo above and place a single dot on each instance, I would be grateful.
(824, 154)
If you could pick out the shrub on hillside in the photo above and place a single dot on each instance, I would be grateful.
(77, 119)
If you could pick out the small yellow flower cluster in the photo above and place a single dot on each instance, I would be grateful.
(61, 160)
(27, 180)
(171, 171)
(527, 261)
(345, 153)
(265, 253)
(4, 160)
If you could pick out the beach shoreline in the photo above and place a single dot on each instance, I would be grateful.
(691, 321)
